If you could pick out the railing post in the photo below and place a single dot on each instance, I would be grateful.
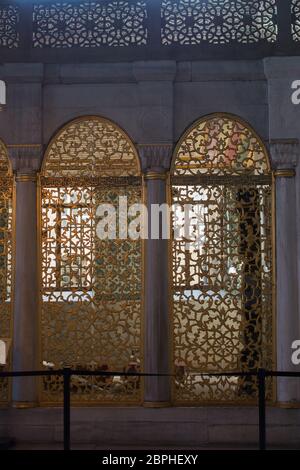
(262, 408)
(67, 380)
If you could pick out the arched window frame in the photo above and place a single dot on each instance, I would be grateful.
(267, 177)
(131, 177)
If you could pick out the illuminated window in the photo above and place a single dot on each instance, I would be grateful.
(222, 268)
(6, 215)
(91, 287)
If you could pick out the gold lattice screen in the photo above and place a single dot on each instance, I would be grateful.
(223, 269)
(91, 288)
(6, 249)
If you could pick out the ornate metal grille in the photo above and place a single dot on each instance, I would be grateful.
(190, 22)
(91, 288)
(105, 26)
(222, 267)
(9, 20)
(296, 20)
(6, 198)
(90, 24)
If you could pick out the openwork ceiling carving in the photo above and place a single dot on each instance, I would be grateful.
(90, 24)
(119, 23)
(9, 19)
(91, 288)
(218, 21)
(6, 196)
(223, 270)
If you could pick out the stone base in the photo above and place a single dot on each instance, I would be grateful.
(152, 428)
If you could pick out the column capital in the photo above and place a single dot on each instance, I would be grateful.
(285, 154)
(25, 158)
(155, 158)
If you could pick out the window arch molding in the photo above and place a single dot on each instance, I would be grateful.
(91, 288)
(222, 275)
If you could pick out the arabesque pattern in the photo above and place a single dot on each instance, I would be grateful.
(9, 20)
(91, 308)
(222, 268)
(220, 146)
(6, 197)
(127, 24)
(90, 24)
(88, 148)
(296, 20)
(189, 22)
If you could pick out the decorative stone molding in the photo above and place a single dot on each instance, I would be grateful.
(24, 405)
(26, 178)
(285, 173)
(26, 158)
(285, 155)
(157, 404)
(155, 157)
(155, 175)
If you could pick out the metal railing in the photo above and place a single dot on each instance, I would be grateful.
(67, 373)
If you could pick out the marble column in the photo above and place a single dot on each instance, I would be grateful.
(25, 337)
(284, 156)
(157, 325)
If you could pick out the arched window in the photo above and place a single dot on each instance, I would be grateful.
(222, 260)
(6, 256)
(91, 283)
